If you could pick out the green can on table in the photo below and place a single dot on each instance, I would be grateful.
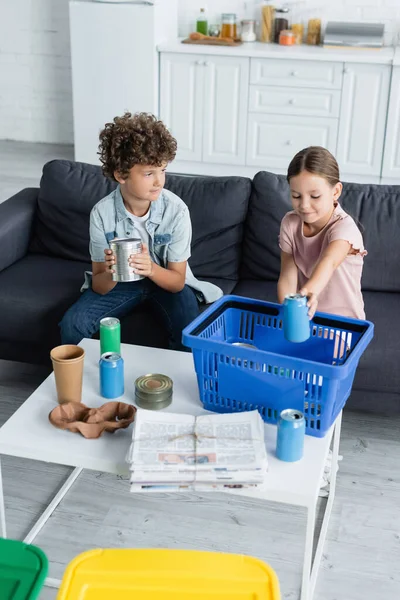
(110, 335)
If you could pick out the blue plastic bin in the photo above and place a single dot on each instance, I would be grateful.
(314, 377)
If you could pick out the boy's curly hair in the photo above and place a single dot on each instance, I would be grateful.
(139, 139)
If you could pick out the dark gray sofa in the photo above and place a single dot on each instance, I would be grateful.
(44, 241)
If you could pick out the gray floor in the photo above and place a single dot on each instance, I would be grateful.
(362, 552)
(21, 164)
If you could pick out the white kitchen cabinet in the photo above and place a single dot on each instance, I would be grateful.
(203, 101)
(391, 158)
(362, 120)
(236, 111)
(181, 102)
(226, 90)
(273, 140)
(296, 73)
(294, 101)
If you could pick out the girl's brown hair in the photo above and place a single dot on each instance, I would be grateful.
(316, 160)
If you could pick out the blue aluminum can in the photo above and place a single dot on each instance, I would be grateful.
(111, 375)
(291, 433)
(296, 324)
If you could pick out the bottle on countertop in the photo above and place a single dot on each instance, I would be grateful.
(202, 23)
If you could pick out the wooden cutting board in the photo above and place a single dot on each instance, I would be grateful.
(209, 41)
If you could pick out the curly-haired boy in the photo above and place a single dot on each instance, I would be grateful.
(135, 151)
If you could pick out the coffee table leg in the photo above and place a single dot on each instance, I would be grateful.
(310, 567)
(2, 508)
(52, 506)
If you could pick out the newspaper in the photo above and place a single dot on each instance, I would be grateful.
(180, 452)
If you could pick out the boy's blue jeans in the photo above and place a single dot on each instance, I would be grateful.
(175, 309)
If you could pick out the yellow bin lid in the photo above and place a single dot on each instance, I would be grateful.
(124, 574)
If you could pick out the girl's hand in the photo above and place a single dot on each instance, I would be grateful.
(312, 301)
(142, 263)
(109, 259)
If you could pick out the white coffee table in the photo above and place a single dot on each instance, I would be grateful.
(28, 434)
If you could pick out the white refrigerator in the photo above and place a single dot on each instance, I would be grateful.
(115, 63)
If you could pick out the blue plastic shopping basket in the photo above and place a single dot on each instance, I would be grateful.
(314, 377)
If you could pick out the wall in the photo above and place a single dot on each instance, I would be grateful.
(35, 69)
(384, 11)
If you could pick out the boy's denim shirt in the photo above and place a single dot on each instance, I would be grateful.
(170, 234)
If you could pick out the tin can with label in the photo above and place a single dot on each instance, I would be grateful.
(296, 324)
(291, 434)
(122, 249)
(153, 391)
(110, 335)
(111, 375)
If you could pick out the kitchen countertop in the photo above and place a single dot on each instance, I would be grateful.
(387, 55)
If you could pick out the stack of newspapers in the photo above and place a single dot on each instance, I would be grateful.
(178, 452)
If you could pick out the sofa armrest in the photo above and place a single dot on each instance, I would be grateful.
(16, 222)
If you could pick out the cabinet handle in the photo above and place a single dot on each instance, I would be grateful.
(199, 62)
(292, 101)
(347, 71)
(294, 73)
(206, 63)
(289, 143)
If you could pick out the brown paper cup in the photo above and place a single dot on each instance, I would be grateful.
(68, 372)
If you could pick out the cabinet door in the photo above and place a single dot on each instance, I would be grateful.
(181, 101)
(226, 90)
(363, 118)
(273, 140)
(391, 159)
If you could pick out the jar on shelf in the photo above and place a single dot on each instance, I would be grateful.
(248, 31)
(229, 27)
(281, 22)
(214, 30)
(287, 37)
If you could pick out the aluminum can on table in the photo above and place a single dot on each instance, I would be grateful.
(291, 434)
(296, 324)
(122, 249)
(110, 335)
(111, 375)
(153, 391)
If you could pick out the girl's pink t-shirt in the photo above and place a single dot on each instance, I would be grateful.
(342, 295)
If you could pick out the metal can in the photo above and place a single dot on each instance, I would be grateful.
(122, 249)
(110, 335)
(153, 391)
(296, 324)
(290, 437)
(111, 375)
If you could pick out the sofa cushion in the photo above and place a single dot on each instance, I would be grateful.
(68, 192)
(376, 208)
(259, 290)
(36, 291)
(218, 208)
(378, 369)
(269, 202)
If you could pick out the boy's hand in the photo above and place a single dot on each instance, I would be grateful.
(142, 263)
(109, 259)
(312, 301)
